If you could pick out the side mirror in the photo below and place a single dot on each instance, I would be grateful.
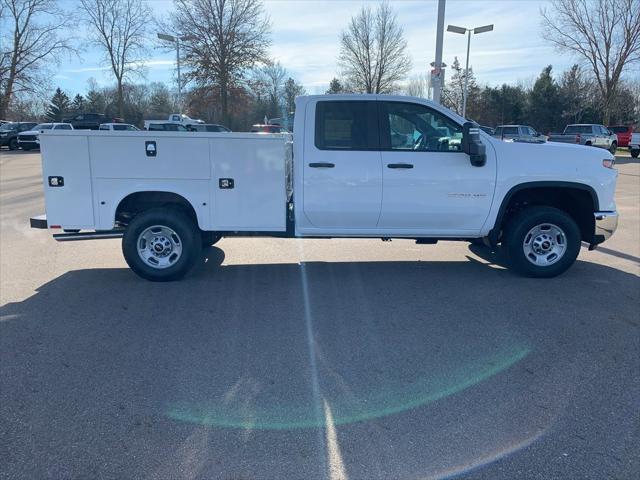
(472, 145)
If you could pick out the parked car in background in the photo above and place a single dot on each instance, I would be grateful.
(208, 127)
(176, 118)
(589, 134)
(9, 133)
(519, 133)
(118, 127)
(623, 132)
(30, 139)
(90, 121)
(634, 143)
(263, 128)
(164, 126)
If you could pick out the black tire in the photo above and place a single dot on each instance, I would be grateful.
(209, 238)
(613, 148)
(188, 236)
(635, 153)
(520, 226)
(13, 144)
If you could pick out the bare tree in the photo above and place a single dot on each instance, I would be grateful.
(605, 34)
(271, 78)
(373, 51)
(32, 39)
(119, 28)
(229, 38)
(417, 86)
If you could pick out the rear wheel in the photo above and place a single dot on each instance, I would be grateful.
(613, 148)
(542, 242)
(162, 244)
(635, 153)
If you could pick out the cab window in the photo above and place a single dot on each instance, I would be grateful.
(346, 125)
(414, 127)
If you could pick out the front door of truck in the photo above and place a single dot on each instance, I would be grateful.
(342, 169)
(429, 184)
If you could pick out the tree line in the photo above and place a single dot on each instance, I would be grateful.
(230, 78)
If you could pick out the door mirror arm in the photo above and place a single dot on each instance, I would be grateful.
(472, 144)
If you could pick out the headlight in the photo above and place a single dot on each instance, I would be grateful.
(608, 162)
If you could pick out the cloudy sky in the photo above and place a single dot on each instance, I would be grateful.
(305, 36)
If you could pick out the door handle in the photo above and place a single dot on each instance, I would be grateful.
(322, 165)
(399, 165)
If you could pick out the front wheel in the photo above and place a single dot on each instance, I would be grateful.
(13, 144)
(542, 242)
(162, 244)
(635, 153)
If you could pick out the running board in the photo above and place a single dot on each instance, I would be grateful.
(71, 237)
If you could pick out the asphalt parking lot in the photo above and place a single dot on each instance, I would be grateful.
(327, 359)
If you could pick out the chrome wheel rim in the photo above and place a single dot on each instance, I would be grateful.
(544, 244)
(159, 246)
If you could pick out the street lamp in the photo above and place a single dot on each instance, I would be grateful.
(176, 40)
(462, 31)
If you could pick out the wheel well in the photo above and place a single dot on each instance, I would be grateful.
(577, 202)
(138, 202)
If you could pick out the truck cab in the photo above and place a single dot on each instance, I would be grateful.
(368, 166)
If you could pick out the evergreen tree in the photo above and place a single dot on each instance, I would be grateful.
(58, 106)
(77, 106)
(545, 106)
(335, 86)
(95, 100)
(292, 89)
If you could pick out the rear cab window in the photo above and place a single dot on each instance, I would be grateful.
(573, 129)
(346, 125)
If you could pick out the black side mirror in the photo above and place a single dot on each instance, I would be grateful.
(472, 145)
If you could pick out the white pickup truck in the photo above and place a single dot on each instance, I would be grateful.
(370, 166)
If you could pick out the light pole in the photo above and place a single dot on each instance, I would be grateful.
(463, 30)
(437, 67)
(176, 40)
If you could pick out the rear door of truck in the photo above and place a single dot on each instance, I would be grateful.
(342, 168)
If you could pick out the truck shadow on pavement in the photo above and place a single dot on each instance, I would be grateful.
(314, 370)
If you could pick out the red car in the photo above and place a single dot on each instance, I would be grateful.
(262, 128)
(623, 132)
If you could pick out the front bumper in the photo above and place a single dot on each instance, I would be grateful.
(606, 224)
(28, 144)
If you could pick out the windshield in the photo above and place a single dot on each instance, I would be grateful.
(43, 126)
(8, 126)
